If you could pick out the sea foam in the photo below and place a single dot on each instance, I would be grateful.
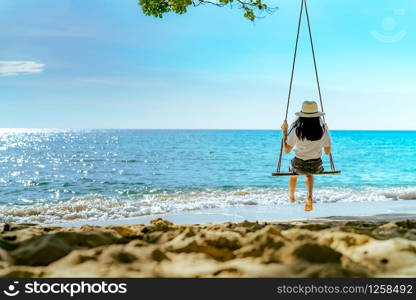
(99, 207)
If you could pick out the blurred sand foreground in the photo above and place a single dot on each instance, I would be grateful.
(246, 249)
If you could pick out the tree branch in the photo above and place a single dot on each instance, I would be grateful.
(158, 8)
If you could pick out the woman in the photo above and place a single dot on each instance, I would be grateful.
(309, 135)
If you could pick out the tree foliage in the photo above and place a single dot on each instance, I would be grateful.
(157, 8)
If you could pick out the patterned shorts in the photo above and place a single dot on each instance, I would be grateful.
(306, 167)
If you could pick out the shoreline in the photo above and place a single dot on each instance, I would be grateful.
(376, 211)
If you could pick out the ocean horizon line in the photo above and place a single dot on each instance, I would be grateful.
(187, 129)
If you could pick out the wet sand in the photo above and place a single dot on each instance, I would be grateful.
(381, 246)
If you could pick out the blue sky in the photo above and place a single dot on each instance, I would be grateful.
(103, 64)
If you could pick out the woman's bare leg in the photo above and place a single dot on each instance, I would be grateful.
(292, 188)
(309, 186)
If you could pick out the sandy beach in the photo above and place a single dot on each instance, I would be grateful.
(382, 247)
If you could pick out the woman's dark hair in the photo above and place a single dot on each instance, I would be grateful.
(308, 128)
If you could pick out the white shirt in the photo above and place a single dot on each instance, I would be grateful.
(306, 149)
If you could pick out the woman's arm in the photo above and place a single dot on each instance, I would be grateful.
(286, 147)
(327, 149)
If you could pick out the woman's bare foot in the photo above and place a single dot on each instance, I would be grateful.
(309, 204)
(292, 199)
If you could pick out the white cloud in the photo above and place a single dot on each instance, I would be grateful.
(9, 68)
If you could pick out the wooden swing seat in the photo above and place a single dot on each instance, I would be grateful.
(293, 174)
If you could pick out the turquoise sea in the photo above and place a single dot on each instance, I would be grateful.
(50, 176)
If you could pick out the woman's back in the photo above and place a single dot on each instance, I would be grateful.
(307, 149)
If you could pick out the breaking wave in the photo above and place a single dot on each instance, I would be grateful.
(99, 207)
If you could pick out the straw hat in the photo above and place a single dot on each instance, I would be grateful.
(309, 110)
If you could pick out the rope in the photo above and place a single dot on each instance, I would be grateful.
(292, 75)
(291, 83)
(294, 60)
(331, 161)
